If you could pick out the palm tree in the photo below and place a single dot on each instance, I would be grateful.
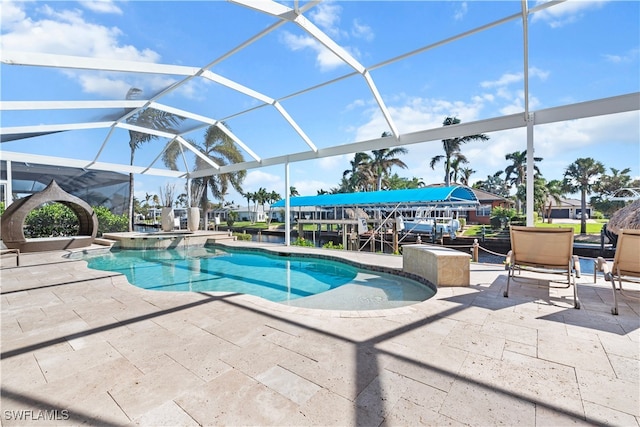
(456, 163)
(466, 174)
(555, 192)
(607, 186)
(382, 161)
(518, 168)
(356, 178)
(248, 195)
(293, 192)
(396, 182)
(220, 148)
(254, 199)
(271, 199)
(452, 147)
(494, 184)
(581, 176)
(539, 193)
(262, 197)
(149, 118)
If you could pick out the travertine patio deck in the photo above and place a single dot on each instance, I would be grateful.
(84, 346)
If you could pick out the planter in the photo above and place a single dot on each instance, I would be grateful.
(167, 219)
(193, 219)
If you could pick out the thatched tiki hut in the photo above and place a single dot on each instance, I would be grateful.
(627, 217)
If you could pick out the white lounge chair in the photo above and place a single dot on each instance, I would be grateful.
(544, 250)
(626, 262)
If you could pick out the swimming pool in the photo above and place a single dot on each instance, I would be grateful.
(294, 280)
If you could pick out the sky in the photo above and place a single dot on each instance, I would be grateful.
(578, 51)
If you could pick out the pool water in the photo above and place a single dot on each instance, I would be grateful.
(275, 278)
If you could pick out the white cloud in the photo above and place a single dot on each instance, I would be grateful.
(629, 56)
(362, 31)
(310, 187)
(461, 11)
(511, 78)
(67, 32)
(101, 6)
(565, 13)
(358, 103)
(11, 15)
(325, 59)
(330, 163)
(258, 178)
(327, 17)
(504, 80)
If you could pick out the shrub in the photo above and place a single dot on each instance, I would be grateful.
(463, 223)
(498, 222)
(51, 220)
(503, 212)
(233, 216)
(331, 245)
(300, 241)
(500, 217)
(518, 220)
(242, 236)
(109, 222)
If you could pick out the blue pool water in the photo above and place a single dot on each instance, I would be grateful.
(275, 278)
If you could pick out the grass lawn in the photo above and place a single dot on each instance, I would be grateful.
(592, 228)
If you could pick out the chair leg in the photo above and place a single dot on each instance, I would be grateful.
(576, 300)
(614, 310)
(506, 292)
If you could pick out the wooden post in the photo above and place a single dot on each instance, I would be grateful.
(395, 237)
(475, 250)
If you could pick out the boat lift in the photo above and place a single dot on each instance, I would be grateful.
(387, 207)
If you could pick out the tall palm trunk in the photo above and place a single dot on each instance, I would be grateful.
(205, 203)
(583, 209)
(131, 186)
(130, 206)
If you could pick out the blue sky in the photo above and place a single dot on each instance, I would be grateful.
(579, 51)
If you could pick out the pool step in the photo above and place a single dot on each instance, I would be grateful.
(104, 242)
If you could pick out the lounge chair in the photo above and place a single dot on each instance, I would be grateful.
(626, 262)
(544, 250)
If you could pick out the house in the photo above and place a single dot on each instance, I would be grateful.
(567, 208)
(255, 213)
(488, 201)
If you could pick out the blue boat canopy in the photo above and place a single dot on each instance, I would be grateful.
(437, 196)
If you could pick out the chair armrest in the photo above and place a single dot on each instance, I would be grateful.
(508, 260)
(576, 265)
(602, 265)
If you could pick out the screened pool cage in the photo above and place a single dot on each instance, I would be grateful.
(30, 127)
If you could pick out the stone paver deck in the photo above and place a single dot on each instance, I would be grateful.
(84, 346)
